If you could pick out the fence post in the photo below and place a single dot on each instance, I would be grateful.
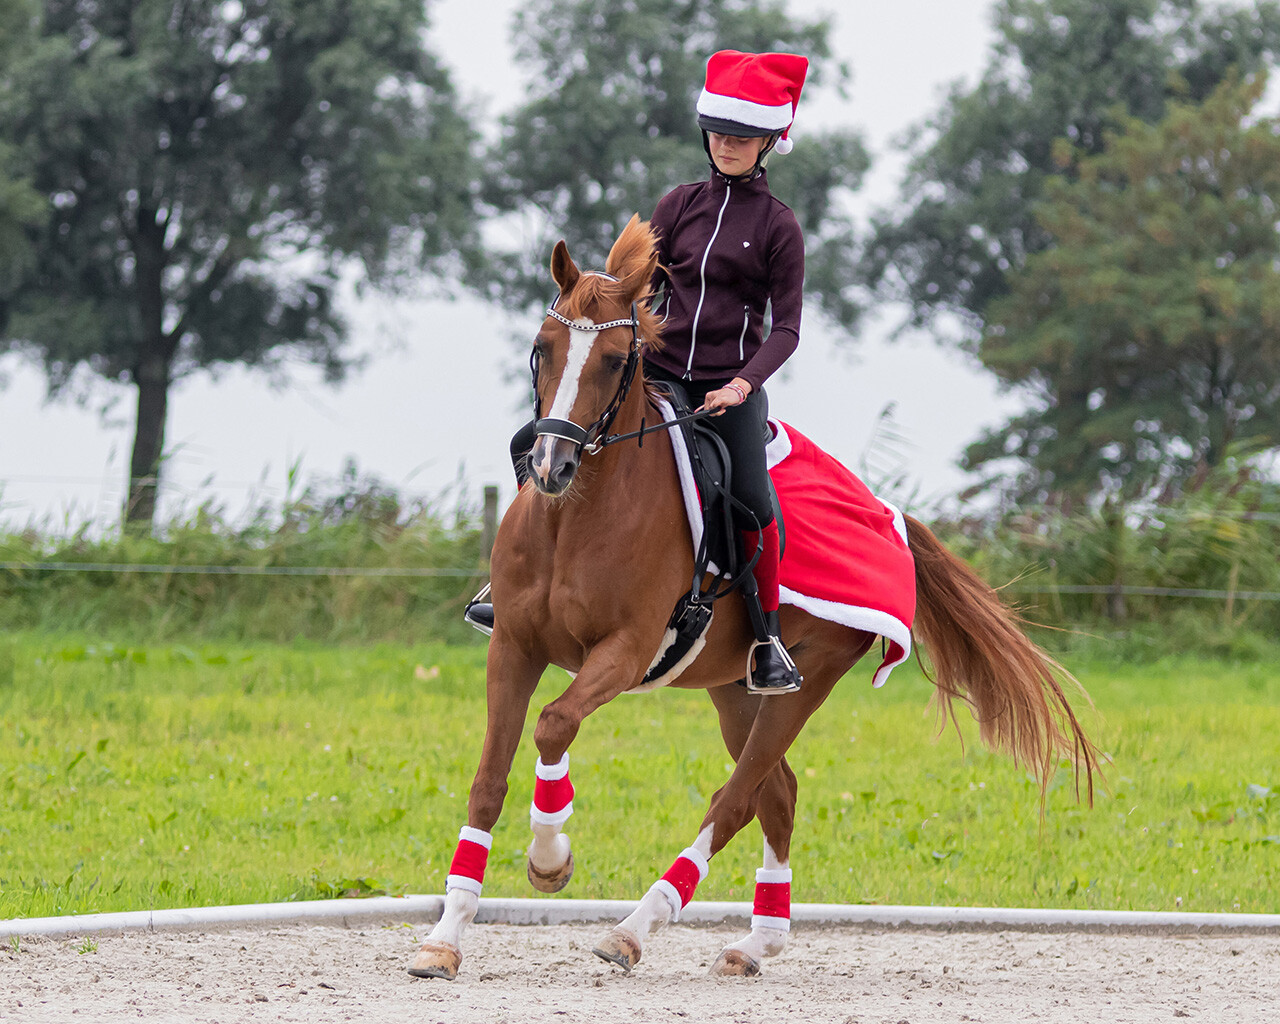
(490, 518)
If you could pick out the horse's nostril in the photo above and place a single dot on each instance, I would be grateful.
(562, 475)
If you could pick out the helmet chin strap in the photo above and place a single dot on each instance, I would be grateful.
(765, 150)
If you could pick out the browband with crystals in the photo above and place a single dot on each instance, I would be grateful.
(590, 326)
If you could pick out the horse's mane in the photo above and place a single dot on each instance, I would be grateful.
(630, 254)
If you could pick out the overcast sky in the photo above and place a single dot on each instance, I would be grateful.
(430, 409)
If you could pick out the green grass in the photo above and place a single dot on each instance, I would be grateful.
(162, 776)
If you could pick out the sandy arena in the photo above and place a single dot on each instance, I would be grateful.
(524, 974)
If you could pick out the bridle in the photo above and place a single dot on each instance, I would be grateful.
(589, 439)
(595, 438)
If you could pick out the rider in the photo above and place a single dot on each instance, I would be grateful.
(727, 250)
(730, 249)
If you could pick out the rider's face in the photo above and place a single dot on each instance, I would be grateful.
(734, 155)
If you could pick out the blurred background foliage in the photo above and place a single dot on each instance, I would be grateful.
(1094, 220)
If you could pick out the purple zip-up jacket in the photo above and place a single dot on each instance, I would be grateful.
(729, 247)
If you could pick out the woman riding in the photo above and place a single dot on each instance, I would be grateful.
(728, 249)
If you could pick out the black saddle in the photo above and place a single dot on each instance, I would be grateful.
(712, 474)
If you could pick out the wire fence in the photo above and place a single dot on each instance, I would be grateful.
(408, 572)
(236, 570)
(1138, 591)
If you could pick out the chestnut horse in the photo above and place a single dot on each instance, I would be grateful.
(567, 591)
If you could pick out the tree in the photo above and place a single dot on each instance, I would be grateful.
(1147, 334)
(21, 206)
(1059, 69)
(209, 170)
(610, 126)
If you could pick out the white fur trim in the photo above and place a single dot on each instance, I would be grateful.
(552, 772)
(899, 523)
(673, 897)
(550, 817)
(476, 835)
(757, 115)
(773, 876)
(462, 882)
(780, 447)
(869, 620)
(760, 921)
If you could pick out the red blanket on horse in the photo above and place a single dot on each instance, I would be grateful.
(847, 558)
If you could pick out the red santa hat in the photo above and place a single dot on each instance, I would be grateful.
(752, 94)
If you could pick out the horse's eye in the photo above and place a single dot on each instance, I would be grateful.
(614, 364)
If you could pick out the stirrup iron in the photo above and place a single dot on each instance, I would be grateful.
(779, 651)
(479, 612)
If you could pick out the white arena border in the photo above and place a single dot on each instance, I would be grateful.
(427, 909)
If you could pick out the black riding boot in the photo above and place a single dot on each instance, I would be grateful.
(479, 612)
(774, 671)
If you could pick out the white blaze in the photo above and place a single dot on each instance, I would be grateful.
(580, 342)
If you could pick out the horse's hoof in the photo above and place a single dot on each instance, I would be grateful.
(733, 963)
(551, 881)
(620, 948)
(436, 960)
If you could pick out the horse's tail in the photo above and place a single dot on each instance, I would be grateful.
(981, 656)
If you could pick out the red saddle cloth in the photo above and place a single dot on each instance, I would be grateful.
(847, 558)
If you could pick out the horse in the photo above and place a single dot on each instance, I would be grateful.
(565, 592)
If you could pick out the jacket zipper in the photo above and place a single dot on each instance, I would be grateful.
(702, 273)
(746, 322)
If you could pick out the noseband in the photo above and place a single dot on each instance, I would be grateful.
(589, 439)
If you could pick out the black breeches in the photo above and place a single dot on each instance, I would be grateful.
(745, 431)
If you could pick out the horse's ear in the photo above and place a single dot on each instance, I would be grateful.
(636, 278)
(564, 271)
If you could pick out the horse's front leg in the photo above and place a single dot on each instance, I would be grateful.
(610, 668)
(511, 679)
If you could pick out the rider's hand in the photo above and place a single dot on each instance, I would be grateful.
(733, 393)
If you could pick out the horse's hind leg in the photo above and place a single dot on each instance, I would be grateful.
(771, 910)
(772, 732)
(776, 811)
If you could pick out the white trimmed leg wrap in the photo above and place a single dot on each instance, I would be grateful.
(473, 852)
(771, 895)
(551, 774)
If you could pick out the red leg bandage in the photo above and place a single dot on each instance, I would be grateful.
(469, 860)
(552, 793)
(772, 907)
(682, 879)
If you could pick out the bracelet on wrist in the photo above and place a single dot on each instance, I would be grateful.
(742, 395)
